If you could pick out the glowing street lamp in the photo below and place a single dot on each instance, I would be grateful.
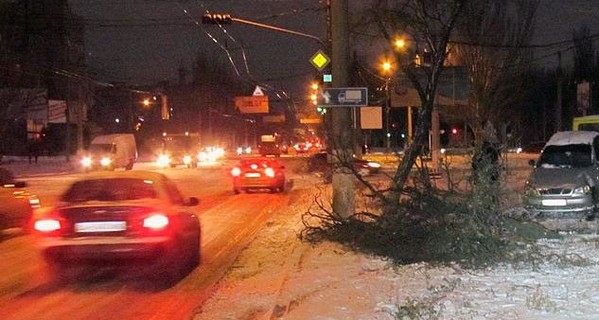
(387, 67)
(400, 43)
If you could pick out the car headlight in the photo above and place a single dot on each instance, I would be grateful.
(86, 162)
(105, 161)
(582, 190)
(187, 159)
(163, 160)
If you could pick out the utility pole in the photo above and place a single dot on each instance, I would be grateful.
(343, 179)
(558, 106)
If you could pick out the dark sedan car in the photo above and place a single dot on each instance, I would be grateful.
(123, 218)
(16, 203)
(321, 163)
(259, 173)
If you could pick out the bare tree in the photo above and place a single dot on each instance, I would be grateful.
(429, 25)
(490, 44)
(584, 54)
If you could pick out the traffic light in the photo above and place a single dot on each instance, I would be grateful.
(314, 91)
(216, 18)
(321, 110)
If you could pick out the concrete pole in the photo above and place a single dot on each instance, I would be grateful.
(558, 104)
(343, 179)
(410, 129)
(435, 141)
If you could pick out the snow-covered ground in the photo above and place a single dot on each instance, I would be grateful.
(280, 277)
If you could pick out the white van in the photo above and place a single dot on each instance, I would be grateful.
(110, 152)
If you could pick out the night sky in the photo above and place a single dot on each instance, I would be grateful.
(145, 41)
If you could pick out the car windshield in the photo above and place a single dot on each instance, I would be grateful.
(100, 148)
(259, 163)
(120, 189)
(566, 156)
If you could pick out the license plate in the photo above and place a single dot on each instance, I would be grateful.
(103, 226)
(554, 202)
(252, 175)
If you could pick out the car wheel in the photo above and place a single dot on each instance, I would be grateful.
(129, 166)
(60, 272)
(193, 260)
(171, 265)
(236, 191)
(282, 187)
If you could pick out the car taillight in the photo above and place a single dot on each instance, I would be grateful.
(47, 225)
(155, 221)
(269, 172)
(235, 172)
(34, 202)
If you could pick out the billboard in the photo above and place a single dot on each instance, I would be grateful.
(252, 104)
(371, 117)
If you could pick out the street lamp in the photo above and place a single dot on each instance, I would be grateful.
(400, 43)
(387, 68)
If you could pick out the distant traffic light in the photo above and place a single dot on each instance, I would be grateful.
(321, 110)
(216, 18)
(314, 91)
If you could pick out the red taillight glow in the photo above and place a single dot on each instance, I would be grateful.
(47, 225)
(236, 172)
(270, 172)
(156, 221)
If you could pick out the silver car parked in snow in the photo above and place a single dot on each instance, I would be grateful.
(565, 178)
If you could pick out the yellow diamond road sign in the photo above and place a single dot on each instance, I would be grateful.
(320, 60)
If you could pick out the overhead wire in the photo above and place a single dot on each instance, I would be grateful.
(279, 93)
(198, 24)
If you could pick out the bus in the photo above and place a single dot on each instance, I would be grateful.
(586, 123)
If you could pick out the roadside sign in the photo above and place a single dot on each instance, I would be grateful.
(344, 97)
(320, 60)
(327, 78)
(258, 92)
(252, 104)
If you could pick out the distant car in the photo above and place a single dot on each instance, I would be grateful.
(174, 157)
(319, 162)
(301, 147)
(269, 149)
(16, 203)
(127, 218)
(258, 173)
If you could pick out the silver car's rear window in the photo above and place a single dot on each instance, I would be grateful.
(566, 156)
(110, 190)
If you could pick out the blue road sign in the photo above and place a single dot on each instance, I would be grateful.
(344, 97)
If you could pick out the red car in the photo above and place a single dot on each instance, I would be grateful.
(115, 219)
(259, 173)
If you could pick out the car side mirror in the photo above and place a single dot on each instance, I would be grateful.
(192, 201)
(531, 163)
